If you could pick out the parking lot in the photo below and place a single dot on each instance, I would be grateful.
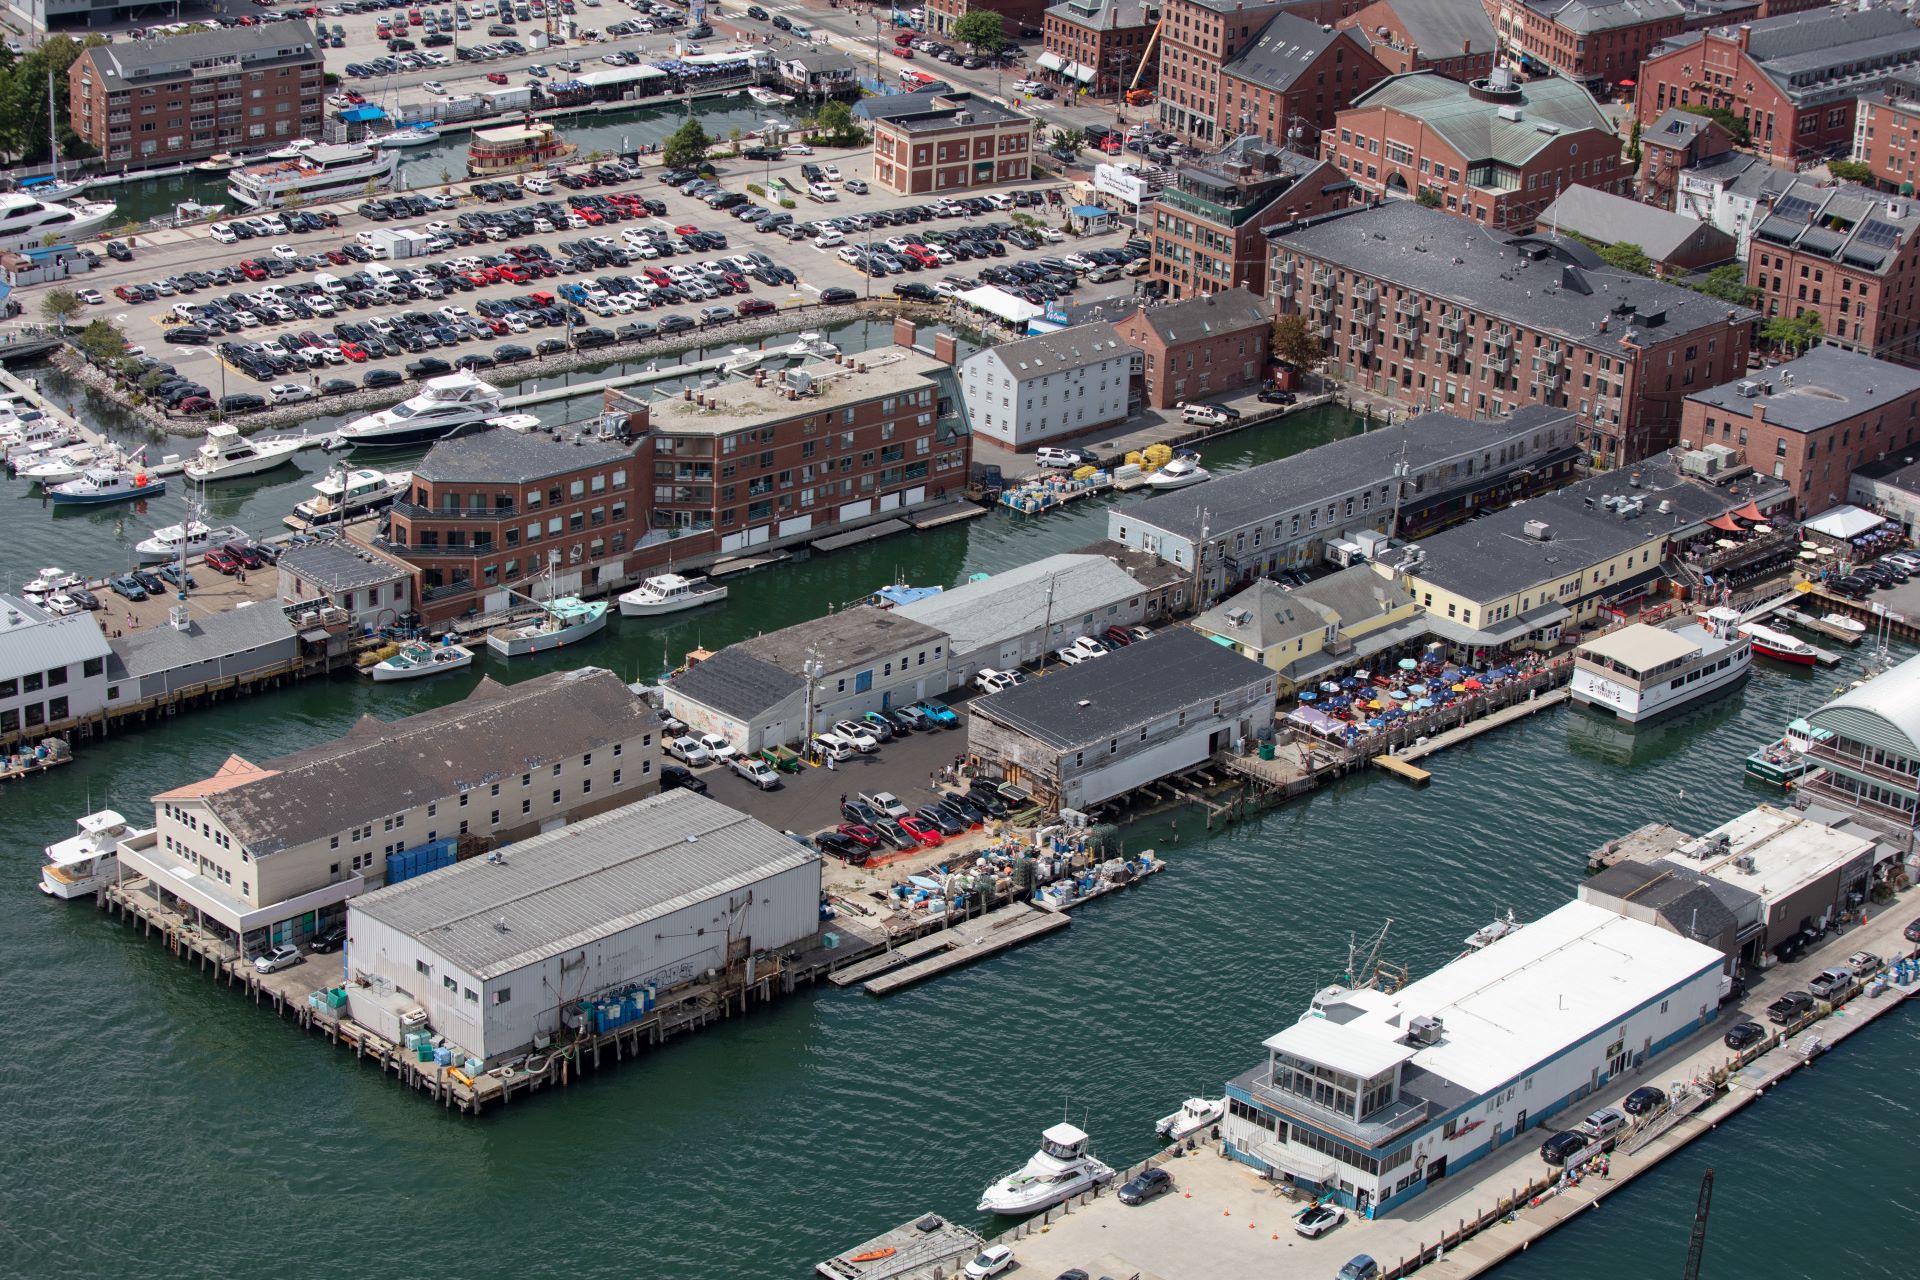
(606, 264)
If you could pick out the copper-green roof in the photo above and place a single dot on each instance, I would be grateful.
(1476, 128)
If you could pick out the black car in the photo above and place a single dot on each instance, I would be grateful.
(382, 378)
(859, 811)
(1562, 1147)
(1150, 1183)
(151, 582)
(783, 22)
(673, 777)
(1278, 397)
(962, 810)
(1744, 1035)
(676, 324)
(988, 802)
(940, 819)
(328, 939)
(1644, 1099)
(428, 367)
(837, 295)
(510, 352)
(551, 346)
(839, 846)
(1851, 586)
(1912, 932)
(1789, 1007)
(241, 402)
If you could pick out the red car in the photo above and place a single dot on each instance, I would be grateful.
(922, 830)
(860, 834)
(496, 77)
(688, 230)
(338, 257)
(755, 307)
(220, 560)
(252, 269)
(513, 275)
(354, 352)
(905, 51)
(127, 293)
(655, 274)
(540, 297)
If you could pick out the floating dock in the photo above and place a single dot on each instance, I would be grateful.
(1819, 626)
(953, 948)
(1400, 768)
(923, 1249)
(946, 513)
(854, 537)
(741, 564)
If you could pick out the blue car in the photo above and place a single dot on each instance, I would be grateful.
(942, 716)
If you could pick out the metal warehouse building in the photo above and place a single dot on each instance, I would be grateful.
(657, 893)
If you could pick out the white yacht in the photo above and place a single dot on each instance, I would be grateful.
(164, 546)
(421, 658)
(47, 582)
(769, 97)
(415, 135)
(1642, 671)
(320, 172)
(84, 863)
(1059, 1170)
(670, 593)
(26, 220)
(293, 150)
(228, 455)
(1194, 1115)
(342, 494)
(36, 437)
(451, 403)
(1178, 474)
(57, 466)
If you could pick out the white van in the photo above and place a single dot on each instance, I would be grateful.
(833, 746)
(331, 284)
(383, 275)
(1049, 456)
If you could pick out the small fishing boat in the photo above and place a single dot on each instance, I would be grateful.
(86, 862)
(1779, 646)
(101, 485)
(1784, 761)
(1059, 1170)
(421, 658)
(670, 593)
(1178, 474)
(1841, 622)
(1194, 1115)
(49, 580)
(567, 620)
(768, 97)
(200, 538)
(1488, 934)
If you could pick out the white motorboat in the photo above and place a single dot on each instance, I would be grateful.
(670, 593)
(49, 580)
(561, 622)
(418, 135)
(450, 404)
(742, 359)
(1779, 646)
(1059, 1170)
(99, 485)
(164, 546)
(219, 162)
(57, 466)
(1841, 622)
(228, 455)
(768, 97)
(343, 494)
(87, 862)
(1178, 474)
(1194, 1115)
(421, 658)
(521, 422)
(318, 172)
(810, 344)
(27, 220)
(1488, 934)
(34, 438)
(293, 150)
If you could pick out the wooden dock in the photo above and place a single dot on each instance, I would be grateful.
(964, 943)
(1474, 728)
(1807, 622)
(925, 1248)
(1400, 768)
(946, 513)
(741, 564)
(854, 537)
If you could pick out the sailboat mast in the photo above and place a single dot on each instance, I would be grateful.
(53, 131)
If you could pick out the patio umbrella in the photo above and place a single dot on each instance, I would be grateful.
(1474, 684)
(1308, 696)
(1424, 704)
(1362, 675)
(1408, 664)
(1399, 694)
(1763, 528)
(1459, 688)
(1329, 686)
(1809, 546)
(1376, 704)
(1348, 683)
(1808, 555)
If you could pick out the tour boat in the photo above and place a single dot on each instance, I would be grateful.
(85, 863)
(1640, 671)
(27, 220)
(348, 493)
(564, 621)
(670, 593)
(1059, 1170)
(450, 404)
(318, 173)
(164, 546)
(1194, 1115)
(516, 148)
(421, 658)
(1779, 646)
(228, 455)
(107, 484)
(1178, 474)
(415, 135)
(1784, 760)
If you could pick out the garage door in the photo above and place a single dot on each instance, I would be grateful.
(855, 510)
(889, 502)
(914, 495)
(799, 524)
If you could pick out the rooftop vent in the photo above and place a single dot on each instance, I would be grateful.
(1423, 1030)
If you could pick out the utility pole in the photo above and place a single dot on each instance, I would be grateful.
(1199, 565)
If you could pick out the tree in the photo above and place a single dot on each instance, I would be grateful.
(60, 306)
(1795, 333)
(1850, 171)
(1633, 143)
(1427, 197)
(102, 341)
(835, 126)
(1729, 284)
(1296, 344)
(687, 147)
(293, 198)
(983, 29)
(1069, 139)
(1627, 256)
(1733, 124)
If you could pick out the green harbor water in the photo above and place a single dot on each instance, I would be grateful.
(157, 1123)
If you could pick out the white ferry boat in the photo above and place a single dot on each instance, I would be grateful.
(344, 494)
(26, 220)
(670, 593)
(321, 172)
(164, 546)
(450, 404)
(1059, 1170)
(228, 455)
(1642, 671)
(83, 864)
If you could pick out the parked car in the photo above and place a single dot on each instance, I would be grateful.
(1319, 1220)
(1912, 932)
(329, 939)
(834, 843)
(1144, 1187)
(1562, 1147)
(284, 956)
(718, 748)
(884, 802)
(688, 749)
(673, 777)
(940, 820)
(1789, 1007)
(833, 746)
(1744, 1035)
(1863, 963)
(921, 829)
(991, 1261)
(755, 770)
(1603, 1124)
(991, 681)
(127, 587)
(943, 716)
(1644, 1099)
(1359, 1267)
(878, 725)
(1830, 983)
(856, 736)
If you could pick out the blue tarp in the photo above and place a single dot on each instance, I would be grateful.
(364, 112)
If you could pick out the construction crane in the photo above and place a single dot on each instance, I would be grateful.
(1698, 1245)
(1146, 56)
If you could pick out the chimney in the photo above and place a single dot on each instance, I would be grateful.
(1742, 36)
(945, 350)
(1760, 414)
(904, 331)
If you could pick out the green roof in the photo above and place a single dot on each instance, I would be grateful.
(1476, 127)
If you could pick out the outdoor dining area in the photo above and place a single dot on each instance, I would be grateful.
(1365, 703)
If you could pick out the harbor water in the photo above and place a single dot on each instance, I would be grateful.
(154, 1116)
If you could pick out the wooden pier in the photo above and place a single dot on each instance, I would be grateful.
(855, 537)
(1807, 622)
(946, 513)
(927, 1248)
(937, 953)
(1401, 769)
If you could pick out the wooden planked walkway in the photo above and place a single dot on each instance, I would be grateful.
(973, 940)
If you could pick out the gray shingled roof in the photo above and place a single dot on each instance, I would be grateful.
(841, 640)
(1742, 175)
(132, 59)
(561, 890)
(148, 650)
(1074, 706)
(1693, 905)
(1475, 128)
(1587, 16)
(1047, 353)
(1610, 219)
(736, 684)
(1825, 386)
(1444, 28)
(330, 566)
(1447, 258)
(1818, 44)
(1228, 311)
(1286, 47)
(1675, 128)
(503, 456)
(378, 768)
(1101, 15)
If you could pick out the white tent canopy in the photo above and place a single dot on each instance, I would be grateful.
(1844, 521)
(998, 302)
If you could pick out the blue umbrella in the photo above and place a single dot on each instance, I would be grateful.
(1308, 696)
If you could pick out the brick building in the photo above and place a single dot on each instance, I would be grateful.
(1202, 347)
(937, 143)
(1793, 80)
(1494, 151)
(153, 102)
(1417, 306)
(1886, 132)
(1678, 140)
(1287, 85)
(1850, 256)
(1019, 14)
(1100, 44)
(1593, 41)
(1426, 35)
(1811, 422)
(1197, 37)
(1207, 225)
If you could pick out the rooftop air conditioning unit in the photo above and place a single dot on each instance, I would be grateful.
(1423, 1030)
(1538, 530)
(1748, 388)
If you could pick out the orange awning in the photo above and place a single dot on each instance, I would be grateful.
(1752, 512)
(1725, 522)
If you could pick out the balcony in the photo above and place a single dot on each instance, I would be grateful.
(1449, 347)
(1288, 289)
(1455, 324)
(1859, 766)
(414, 511)
(1501, 364)
(1406, 309)
(1503, 341)
(1366, 346)
(1324, 333)
(1319, 306)
(1367, 292)
(1554, 356)
(1322, 279)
